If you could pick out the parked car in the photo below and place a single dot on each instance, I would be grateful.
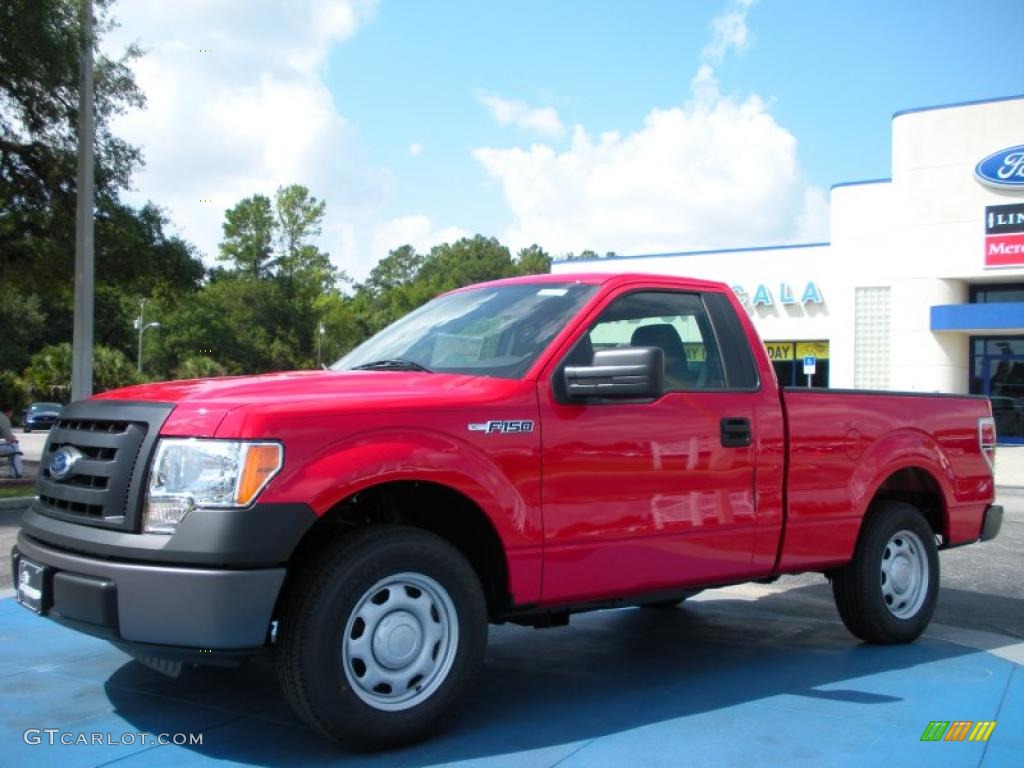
(515, 451)
(40, 416)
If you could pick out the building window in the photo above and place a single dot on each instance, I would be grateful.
(997, 371)
(871, 338)
(989, 294)
(788, 361)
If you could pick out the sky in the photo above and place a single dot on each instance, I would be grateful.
(633, 127)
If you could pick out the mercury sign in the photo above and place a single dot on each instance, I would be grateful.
(1004, 235)
(763, 297)
(1003, 169)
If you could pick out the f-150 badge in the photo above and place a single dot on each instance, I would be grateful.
(501, 427)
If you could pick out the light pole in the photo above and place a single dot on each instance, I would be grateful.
(141, 326)
(320, 347)
(82, 336)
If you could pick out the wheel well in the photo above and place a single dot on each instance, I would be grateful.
(917, 487)
(431, 507)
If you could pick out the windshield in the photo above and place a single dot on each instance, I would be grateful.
(45, 407)
(494, 331)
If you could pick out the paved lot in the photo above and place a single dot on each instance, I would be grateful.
(721, 682)
(31, 444)
(749, 675)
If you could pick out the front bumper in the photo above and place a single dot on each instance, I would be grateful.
(171, 606)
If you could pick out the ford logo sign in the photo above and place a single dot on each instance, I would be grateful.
(1003, 169)
(62, 463)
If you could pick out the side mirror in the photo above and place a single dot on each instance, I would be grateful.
(629, 372)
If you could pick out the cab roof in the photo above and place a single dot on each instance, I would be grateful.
(602, 278)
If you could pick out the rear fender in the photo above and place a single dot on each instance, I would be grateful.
(902, 449)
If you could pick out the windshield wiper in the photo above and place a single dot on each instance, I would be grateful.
(392, 364)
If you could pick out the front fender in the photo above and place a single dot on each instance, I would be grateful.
(504, 484)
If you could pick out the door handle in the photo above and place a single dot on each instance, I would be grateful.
(735, 432)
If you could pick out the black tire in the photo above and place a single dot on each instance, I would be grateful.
(26, 430)
(663, 604)
(326, 594)
(872, 605)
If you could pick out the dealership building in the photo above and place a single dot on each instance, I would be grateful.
(921, 285)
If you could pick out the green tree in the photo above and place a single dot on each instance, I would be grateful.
(39, 55)
(398, 268)
(249, 236)
(22, 319)
(247, 326)
(199, 367)
(13, 390)
(48, 375)
(469, 260)
(533, 260)
(299, 218)
(112, 369)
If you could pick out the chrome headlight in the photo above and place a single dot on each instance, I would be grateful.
(189, 472)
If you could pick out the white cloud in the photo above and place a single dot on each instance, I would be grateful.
(716, 171)
(415, 148)
(416, 230)
(250, 115)
(543, 120)
(729, 32)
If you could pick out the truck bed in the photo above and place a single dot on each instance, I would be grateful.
(844, 445)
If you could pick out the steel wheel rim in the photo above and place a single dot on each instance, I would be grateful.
(905, 574)
(400, 641)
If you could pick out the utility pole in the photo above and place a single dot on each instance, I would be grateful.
(142, 326)
(81, 357)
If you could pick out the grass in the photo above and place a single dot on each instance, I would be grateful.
(15, 491)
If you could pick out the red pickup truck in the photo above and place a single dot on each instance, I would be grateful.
(515, 451)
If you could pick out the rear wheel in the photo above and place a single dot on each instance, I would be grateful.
(380, 636)
(887, 593)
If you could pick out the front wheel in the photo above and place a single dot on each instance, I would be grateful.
(380, 636)
(887, 593)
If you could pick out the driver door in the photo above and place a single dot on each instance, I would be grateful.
(644, 496)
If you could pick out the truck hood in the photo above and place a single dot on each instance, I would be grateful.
(332, 388)
(201, 405)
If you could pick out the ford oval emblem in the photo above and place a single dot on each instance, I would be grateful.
(1003, 169)
(62, 463)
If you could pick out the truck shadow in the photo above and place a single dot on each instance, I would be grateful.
(551, 690)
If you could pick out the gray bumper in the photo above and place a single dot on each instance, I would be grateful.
(165, 605)
(992, 522)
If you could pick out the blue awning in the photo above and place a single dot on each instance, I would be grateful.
(997, 317)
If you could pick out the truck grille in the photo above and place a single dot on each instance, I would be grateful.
(115, 440)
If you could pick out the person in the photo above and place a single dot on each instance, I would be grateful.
(8, 443)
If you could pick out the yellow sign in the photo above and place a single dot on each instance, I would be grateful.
(818, 349)
(779, 351)
(694, 352)
(785, 351)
